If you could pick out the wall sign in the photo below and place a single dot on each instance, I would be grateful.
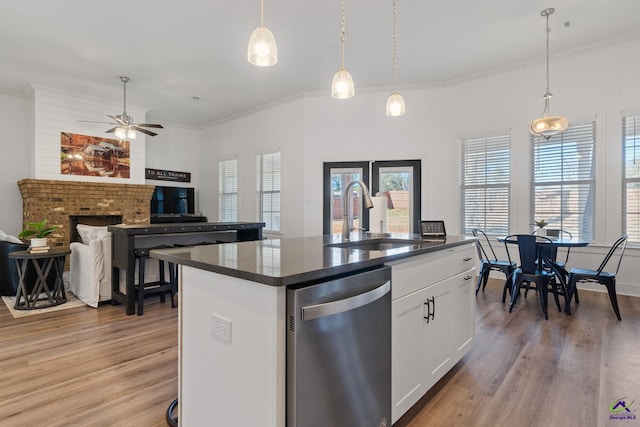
(164, 175)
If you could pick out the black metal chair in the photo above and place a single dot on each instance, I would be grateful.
(487, 264)
(600, 276)
(529, 248)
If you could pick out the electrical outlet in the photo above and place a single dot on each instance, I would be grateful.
(220, 327)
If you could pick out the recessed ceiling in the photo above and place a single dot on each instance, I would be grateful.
(174, 51)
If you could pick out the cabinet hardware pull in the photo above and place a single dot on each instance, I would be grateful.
(467, 278)
(428, 304)
(433, 311)
(467, 259)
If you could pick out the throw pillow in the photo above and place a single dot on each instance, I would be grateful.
(89, 233)
(4, 237)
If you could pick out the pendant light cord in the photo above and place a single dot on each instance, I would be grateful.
(342, 35)
(395, 62)
(548, 30)
(262, 13)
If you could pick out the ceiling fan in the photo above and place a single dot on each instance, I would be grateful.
(125, 127)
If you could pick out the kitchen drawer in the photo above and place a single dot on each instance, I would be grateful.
(419, 272)
(463, 258)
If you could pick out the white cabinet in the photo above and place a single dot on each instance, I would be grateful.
(432, 321)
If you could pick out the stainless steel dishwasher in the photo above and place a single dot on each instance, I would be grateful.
(339, 352)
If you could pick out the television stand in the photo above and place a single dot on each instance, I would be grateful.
(170, 219)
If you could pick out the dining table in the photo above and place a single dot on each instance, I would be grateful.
(557, 268)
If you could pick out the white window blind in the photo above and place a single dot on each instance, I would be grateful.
(631, 176)
(268, 190)
(228, 190)
(564, 180)
(485, 177)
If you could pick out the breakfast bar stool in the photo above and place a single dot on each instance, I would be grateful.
(160, 286)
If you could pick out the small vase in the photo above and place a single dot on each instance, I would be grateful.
(541, 232)
(38, 242)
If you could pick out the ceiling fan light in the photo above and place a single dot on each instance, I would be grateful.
(395, 105)
(262, 49)
(342, 85)
(131, 133)
(121, 133)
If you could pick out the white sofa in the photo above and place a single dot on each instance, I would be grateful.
(90, 266)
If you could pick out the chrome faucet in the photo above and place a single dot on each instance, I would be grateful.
(368, 203)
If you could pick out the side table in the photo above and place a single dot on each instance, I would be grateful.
(43, 263)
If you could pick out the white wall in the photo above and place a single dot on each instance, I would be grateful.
(16, 158)
(278, 128)
(177, 149)
(596, 84)
(59, 111)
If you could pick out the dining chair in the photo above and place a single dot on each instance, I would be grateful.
(528, 271)
(490, 263)
(600, 276)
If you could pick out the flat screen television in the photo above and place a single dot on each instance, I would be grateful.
(173, 201)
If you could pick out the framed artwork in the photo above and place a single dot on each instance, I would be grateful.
(94, 156)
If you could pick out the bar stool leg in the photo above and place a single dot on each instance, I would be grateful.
(140, 285)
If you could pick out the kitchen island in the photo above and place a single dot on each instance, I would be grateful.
(233, 323)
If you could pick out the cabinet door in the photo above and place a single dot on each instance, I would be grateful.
(436, 339)
(463, 323)
(407, 351)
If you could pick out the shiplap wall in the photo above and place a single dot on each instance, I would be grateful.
(57, 111)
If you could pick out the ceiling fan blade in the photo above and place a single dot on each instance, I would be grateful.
(148, 132)
(149, 125)
(118, 120)
(112, 129)
(96, 121)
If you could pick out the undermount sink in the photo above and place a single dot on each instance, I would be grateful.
(375, 244)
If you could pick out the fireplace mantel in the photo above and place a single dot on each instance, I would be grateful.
(57, 200)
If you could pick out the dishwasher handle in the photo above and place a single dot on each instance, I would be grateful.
(327, 309)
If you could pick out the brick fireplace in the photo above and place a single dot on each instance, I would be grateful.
(57, 201)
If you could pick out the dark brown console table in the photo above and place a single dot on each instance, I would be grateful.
(124, 243)
(43, 263)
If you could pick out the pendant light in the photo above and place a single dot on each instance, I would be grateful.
(395, 102)
(262, 50)
(342, 85)
(548, 126)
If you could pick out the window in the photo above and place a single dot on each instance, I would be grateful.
(400, 181)
(228, 190)
(485, 167)
(563, 177)
(336, 177)
(631, 176)
(268, 189)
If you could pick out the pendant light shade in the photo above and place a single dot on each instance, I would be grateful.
(395, 102)
(395, 105)
(121, 133)
(547, 125)
(342, 85)
(262, 49)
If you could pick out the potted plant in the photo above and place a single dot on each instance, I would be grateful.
(37, 232)
(541, 224)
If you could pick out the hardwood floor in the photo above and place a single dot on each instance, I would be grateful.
(525, 371)
(84, 366)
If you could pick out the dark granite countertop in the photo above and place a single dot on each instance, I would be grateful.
(283, 262)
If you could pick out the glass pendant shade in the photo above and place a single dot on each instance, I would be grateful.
(395, 105)
(131, 133)
(548, 126)
(262, 50)
(121, 133)
(342, 85)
